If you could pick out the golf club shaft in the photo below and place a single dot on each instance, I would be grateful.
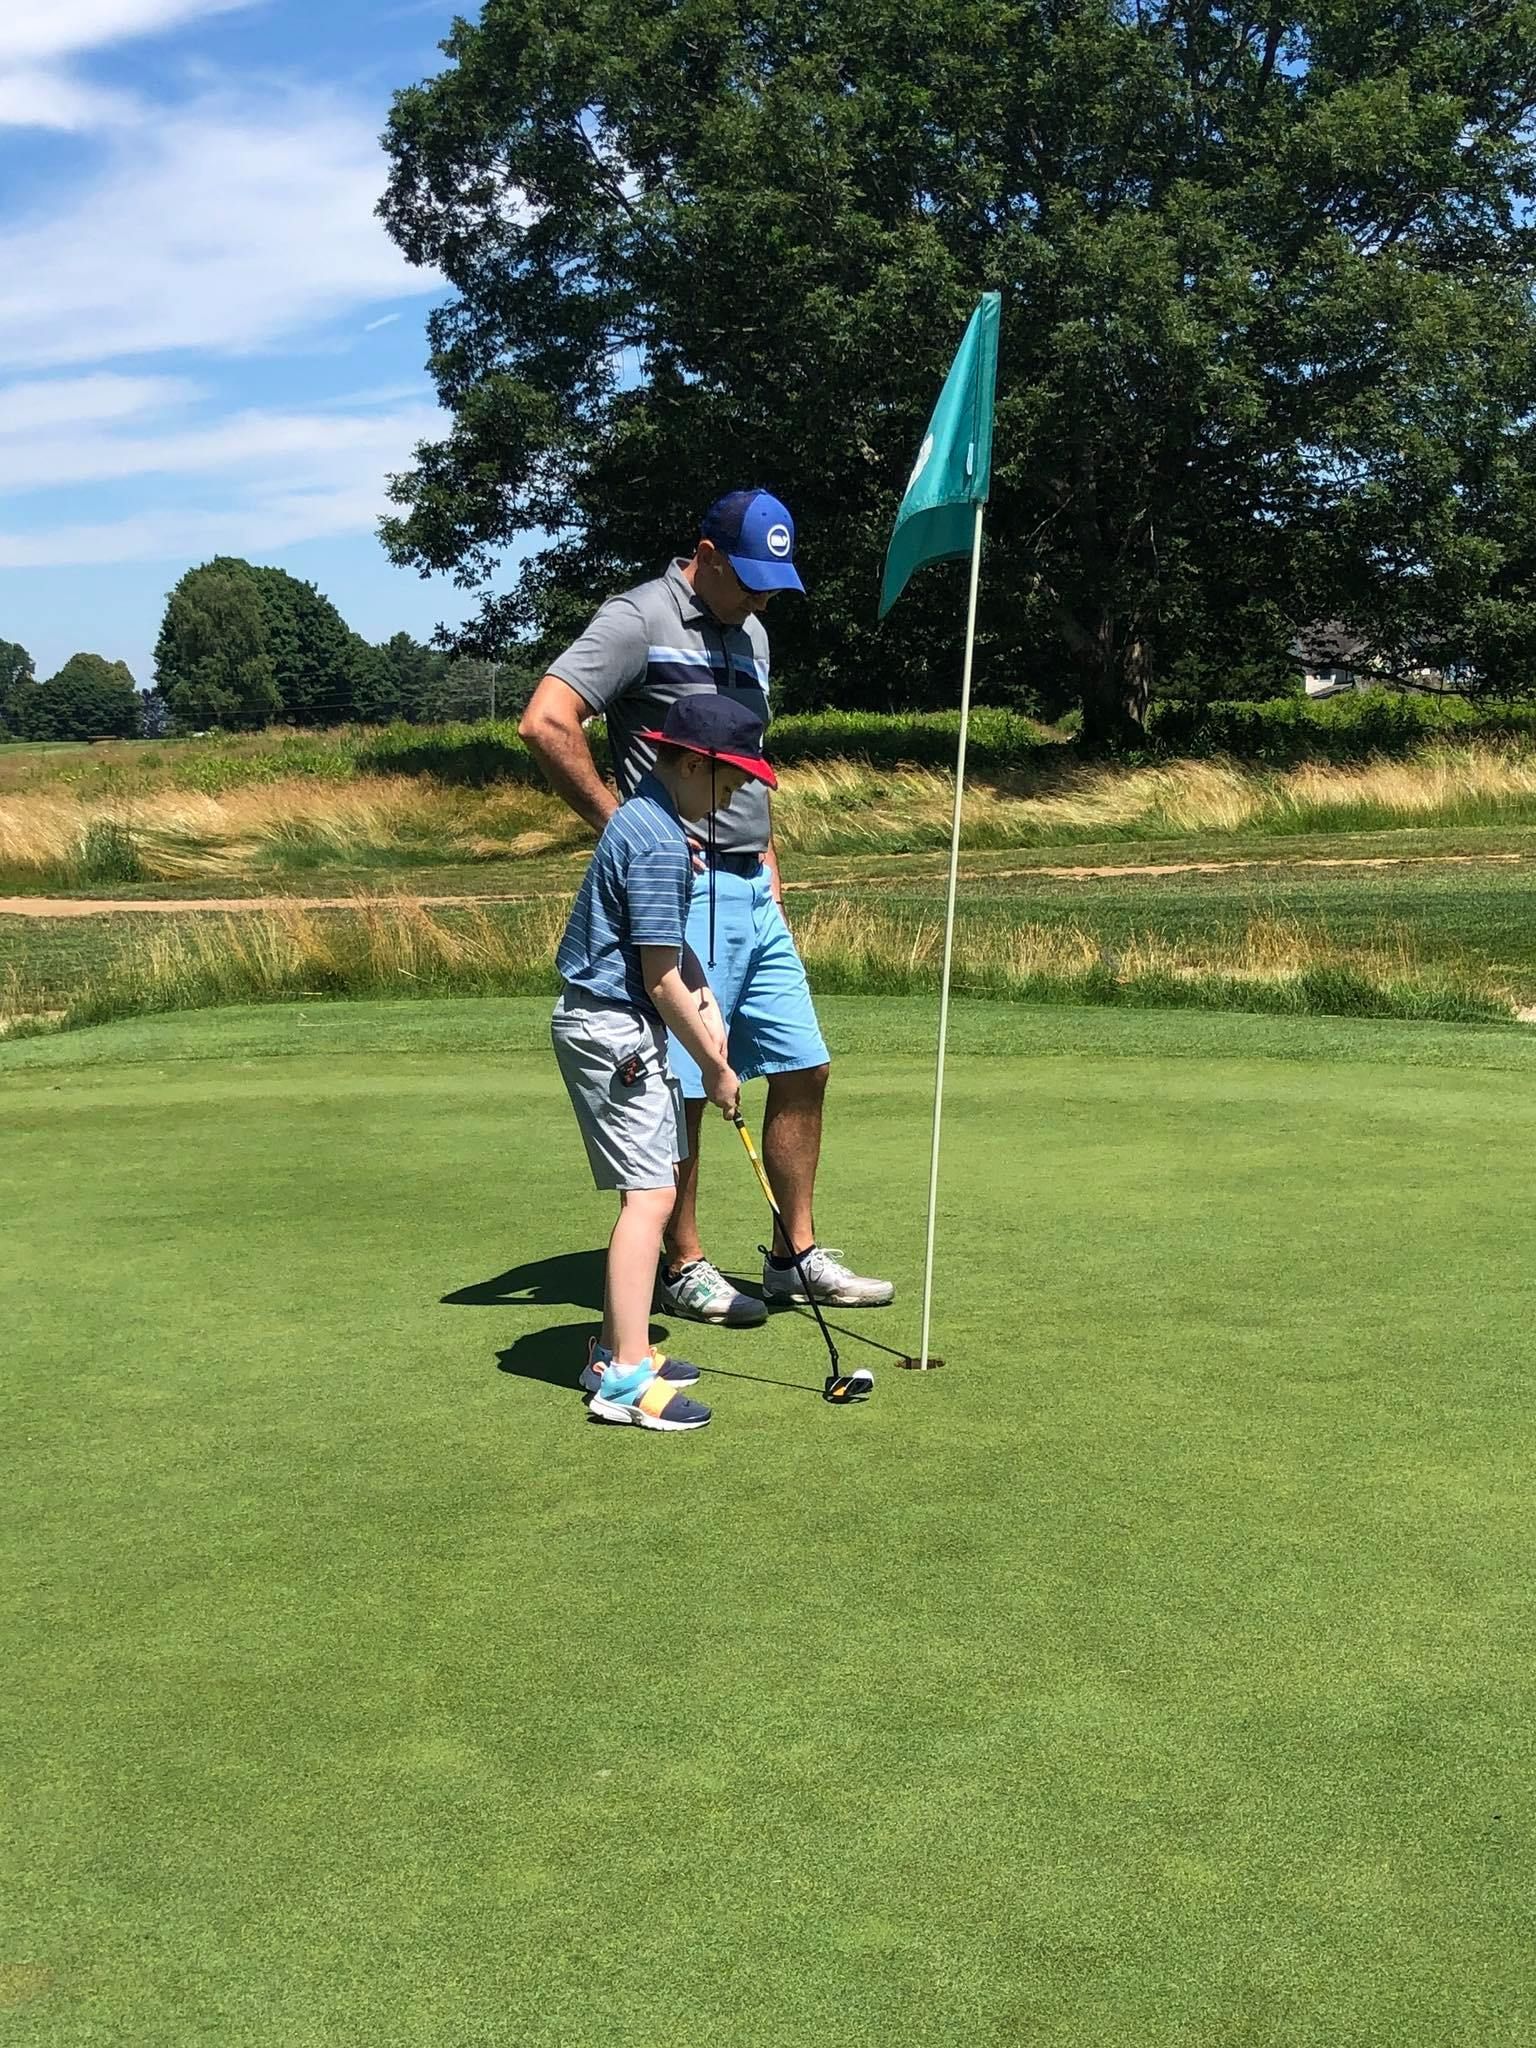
(768, 1195)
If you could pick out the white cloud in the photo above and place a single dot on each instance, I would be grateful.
(33, 31)
(281, 476)
(293, 446)
(218, 227)
(388, 320)
(49, 99)
(43, 403)
(270, 521)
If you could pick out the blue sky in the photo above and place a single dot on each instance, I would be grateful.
(208, 345)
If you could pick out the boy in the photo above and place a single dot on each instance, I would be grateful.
(629, 976)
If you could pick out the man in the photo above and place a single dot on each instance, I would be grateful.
(699, 628)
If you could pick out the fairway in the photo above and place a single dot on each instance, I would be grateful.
(1162, 1671)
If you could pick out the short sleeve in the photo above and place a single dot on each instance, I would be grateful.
(656, 888)
(609, 657)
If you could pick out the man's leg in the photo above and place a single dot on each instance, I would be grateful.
(792, 1151)
(775, 1033)
(682, 1234)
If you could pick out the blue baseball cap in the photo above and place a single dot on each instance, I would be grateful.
(755, 533)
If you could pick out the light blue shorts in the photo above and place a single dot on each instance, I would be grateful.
(758, 982)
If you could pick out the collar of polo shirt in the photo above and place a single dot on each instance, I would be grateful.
(689, 601)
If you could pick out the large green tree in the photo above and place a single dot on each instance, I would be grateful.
(1267, 313)
(90, 698)
(213, 659)
(311, 645)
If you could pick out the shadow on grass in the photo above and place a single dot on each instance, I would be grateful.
(554, 1358)
(565, 1280)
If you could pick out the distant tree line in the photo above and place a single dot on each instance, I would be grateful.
(90, 698)
(242, 647)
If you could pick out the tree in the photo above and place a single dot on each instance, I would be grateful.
(90, 698)
(213, 658)
(374, 685)
(17, 679)
(311, 647)
(155, 714)
(1267, 309)
(416, 671)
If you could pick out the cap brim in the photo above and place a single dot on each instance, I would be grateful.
(750, 764)
(766, 575)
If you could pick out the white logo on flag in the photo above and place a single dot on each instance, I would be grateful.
(778, 541)
(921, 464)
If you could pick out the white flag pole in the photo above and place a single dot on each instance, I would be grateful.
(949, 937)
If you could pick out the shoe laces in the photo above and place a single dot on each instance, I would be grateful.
(828, 1261)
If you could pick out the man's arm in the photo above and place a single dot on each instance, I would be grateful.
(552, 730)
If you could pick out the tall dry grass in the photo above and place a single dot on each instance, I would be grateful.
(307, 826)
(844, 807)
(284, 828)
(394, 946)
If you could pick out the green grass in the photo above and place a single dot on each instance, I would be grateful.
(1160, 1672)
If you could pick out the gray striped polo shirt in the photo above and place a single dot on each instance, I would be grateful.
(646, 649)
(635, 893)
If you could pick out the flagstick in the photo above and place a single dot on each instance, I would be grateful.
(949, 938)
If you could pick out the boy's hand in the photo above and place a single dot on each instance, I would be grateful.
(724, 1089)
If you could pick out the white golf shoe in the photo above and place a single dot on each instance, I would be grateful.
(833, 1284)
(703, 1292)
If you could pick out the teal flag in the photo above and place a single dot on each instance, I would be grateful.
(953, 473)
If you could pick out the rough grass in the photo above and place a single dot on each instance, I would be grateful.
(387, 946)
(304, 825)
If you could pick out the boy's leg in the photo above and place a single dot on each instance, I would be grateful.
(633, 1251)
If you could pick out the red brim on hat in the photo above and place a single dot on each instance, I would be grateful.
(750, 764)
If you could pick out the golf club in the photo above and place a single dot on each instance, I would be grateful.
(841, 1387)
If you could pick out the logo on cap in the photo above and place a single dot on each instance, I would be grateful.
(778, 541)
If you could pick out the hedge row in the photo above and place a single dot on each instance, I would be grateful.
(1289, 730)
(1001, 742)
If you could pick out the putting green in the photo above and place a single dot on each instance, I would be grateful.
(1163, 1671)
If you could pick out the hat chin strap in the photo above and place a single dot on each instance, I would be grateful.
(709, 833)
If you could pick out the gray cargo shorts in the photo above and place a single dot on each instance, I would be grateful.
(635, 1131)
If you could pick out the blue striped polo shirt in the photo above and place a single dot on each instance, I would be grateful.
(635, 893)
(651, 646)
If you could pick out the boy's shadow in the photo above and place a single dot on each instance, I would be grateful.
(555, 1355)
(564, 1280)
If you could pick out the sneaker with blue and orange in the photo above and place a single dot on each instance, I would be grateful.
(640, 1394)
(676, 1371)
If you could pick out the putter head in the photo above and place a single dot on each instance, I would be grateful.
(917, 1365)
(844, 1388)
